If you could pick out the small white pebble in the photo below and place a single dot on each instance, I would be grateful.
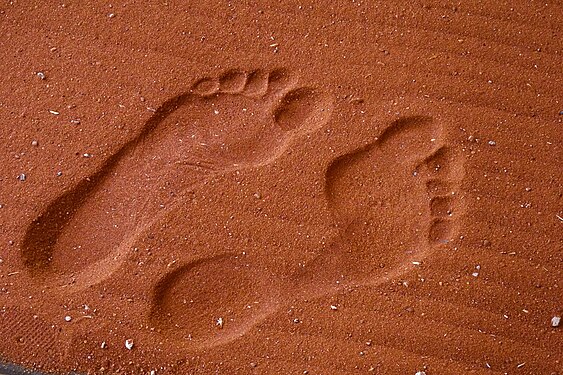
(41, 75)
(333, 307)
(111, 15)
(492, 143)
(68, 318)
(86, 155)
(420, 373)
(53, 112)
(104, 345)
(34, 143)
(129, 344)
(555, 321)
(219, 322)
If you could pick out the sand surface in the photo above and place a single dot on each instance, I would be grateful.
(327, 187)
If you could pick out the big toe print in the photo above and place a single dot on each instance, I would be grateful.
(238, 120)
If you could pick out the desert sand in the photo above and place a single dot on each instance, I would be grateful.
(284, 187)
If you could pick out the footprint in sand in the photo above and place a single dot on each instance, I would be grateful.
(394, 200)
(238, 120)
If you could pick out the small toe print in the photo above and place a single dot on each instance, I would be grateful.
(256, 83)
(233, 81)
(206, 86)
(441, 206)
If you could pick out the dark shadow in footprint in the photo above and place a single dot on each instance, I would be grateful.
(238, 120)
(393, 203)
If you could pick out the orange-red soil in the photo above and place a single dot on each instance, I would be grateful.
(293, 188)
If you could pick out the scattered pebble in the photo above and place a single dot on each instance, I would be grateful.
(111, 15)
(420, 373)
(68, 318)
(34, 143)
(59, 174)
(104, 345)
(333, 307)
(75, 121)
(477, 270)
(53, 112)
(129, 344)
(492, 143)
(257, 196)
(555, 321)
(22, 177)
(87, 155)
(253, 364)
(219, 322)
(41, 75)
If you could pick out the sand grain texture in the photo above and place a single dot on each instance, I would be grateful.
(339, 187)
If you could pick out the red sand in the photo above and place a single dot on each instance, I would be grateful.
(361, 187)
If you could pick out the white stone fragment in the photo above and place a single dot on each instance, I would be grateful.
(129, 344)
(555, 321)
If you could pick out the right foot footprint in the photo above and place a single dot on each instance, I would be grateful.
(238, 120)
(394, 200)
